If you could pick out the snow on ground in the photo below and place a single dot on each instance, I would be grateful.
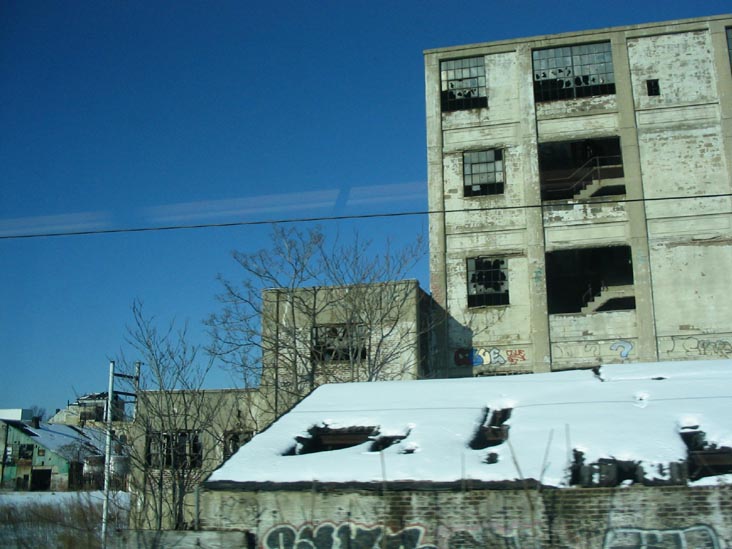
(120, 500)
(628, 412)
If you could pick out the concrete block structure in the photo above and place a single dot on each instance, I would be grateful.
(580, 186)
(339, 334)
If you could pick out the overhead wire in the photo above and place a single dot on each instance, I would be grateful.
(314, 219)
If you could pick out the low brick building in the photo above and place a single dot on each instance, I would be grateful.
(625, 456)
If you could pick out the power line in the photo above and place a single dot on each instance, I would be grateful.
(346, 217)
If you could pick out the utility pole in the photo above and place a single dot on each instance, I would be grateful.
(108, 441)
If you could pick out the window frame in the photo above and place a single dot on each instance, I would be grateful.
(459, 75)
(178, 449)
(339, 342)
(595, 77)
(490, 297)
(471, 169)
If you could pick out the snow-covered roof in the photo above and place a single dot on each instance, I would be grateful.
(626, 412)
(63, 439)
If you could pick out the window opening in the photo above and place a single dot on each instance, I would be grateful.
(487, 281)
(324, 439)
(174, 450)
(483, 172)
(569, 72)
(492, 430)
(589, 280)
(233, 440)
(587, 168)
(705, 459)
(652, 87)
(463, 84)
(25, 451)
(729, 44)
(339, 343)
(604, 472)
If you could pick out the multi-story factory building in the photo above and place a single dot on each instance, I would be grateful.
(580, 190)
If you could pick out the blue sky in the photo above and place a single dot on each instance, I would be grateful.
(147, 114)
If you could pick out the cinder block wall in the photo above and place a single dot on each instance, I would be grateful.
(582, 517)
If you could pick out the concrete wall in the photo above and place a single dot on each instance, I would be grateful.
(674, 517)
(674, 215)
(393, 318)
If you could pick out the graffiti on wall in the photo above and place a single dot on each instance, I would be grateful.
(344, 535)
(492, 356)
(621, 348)
(639, 538)
(700, 346)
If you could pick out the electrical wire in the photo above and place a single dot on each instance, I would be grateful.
(347, 217)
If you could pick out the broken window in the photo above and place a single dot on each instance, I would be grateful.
(604, 472)
(174, 450)
(487, 281)
(581, 169)
(652, 87)
(25, 451)
(322, 438)
(705, 459)
(233, 440)
(573, 71)
(339, 343)
(589, 280)
(492, 430)
(483, 172)
(463, 84)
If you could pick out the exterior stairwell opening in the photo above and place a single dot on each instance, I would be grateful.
(580, 170)
(590, 280)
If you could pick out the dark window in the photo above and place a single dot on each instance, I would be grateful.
(233, 440)
(463, 84)
(25, 451)
(175, 450)
(483, 172)
(573, 71)
(580, 169)
(729, 45)
(487, 281)
(653, 87)
(339, 343)
(590, 280)
(325, 439)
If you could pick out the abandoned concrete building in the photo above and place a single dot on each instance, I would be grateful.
(580, 186)
(89, 410)
(336, 334)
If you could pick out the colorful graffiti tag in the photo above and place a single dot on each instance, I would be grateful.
(488, 357)
(344, 535)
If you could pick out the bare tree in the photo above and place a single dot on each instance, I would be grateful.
(39, 412)
(181, 430)
(306, 312)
